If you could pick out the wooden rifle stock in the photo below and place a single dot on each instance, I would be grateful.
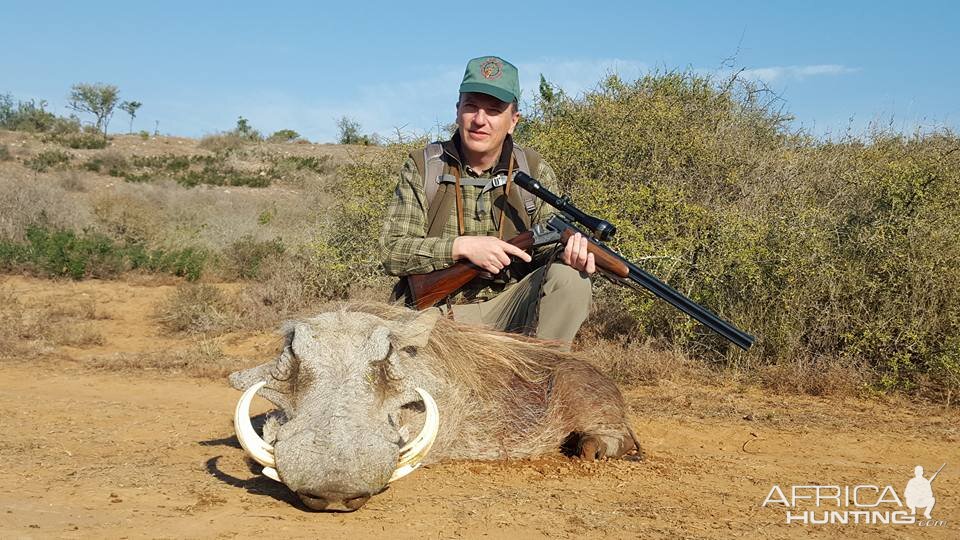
(426, 290)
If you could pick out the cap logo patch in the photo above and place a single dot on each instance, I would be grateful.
(491, 69)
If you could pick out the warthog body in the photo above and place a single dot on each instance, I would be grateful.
(345, 385)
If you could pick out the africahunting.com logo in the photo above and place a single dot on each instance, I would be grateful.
(862, 504)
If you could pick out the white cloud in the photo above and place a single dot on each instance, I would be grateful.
(796, 73)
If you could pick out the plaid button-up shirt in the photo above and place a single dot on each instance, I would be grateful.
(405, 248)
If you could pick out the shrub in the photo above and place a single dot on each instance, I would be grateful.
(195, 308)
(222, 143)
(190, 171)
(82, 141)
(5, 153)
(284, 135)
(187, 262)
(127, 219)
(843, 251)
(68, 133)
(349, 133)
(25, 115)
(112, 163)
(65, 126)
(47, 159)
(300, 279)
(245, 257)
(71, 181)
(361, 194)
(289, 168)
(245, 131)
(63, 253)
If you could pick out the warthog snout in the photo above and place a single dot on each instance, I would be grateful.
(333, 501)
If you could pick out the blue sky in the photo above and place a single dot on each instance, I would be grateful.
(197, 66)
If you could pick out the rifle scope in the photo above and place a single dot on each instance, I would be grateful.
(603, 230)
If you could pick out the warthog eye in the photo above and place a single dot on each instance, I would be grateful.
(286, 366)
(382, 375)
(409, 350)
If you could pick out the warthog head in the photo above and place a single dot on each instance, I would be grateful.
(341, 384)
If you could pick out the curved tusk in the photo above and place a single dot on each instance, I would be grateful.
(413, 453)
(271, 473)
(256, 447)
(403, 471)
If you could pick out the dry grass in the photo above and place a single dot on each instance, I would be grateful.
(71, 181)
(11, 325)
(84, 309)
(197, 308)
(75, 334)
(817, 378)
(608, 340)
(37, 330)
(41, 200)
(204, 360)
(223, 142)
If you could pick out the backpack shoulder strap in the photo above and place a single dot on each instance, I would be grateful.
(438, 205)
(528, 161)
(432, 169)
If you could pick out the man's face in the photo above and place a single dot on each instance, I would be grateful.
(484, 122)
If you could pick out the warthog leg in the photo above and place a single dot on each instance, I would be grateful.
(595, 412)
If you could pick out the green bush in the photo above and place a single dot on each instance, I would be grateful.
(847, 250)
(284, 135)
(245, 131)
(48, 159)
(349, 133)
(62, 253)
(112, 163)
(286, 166)
(189, 171)
(362, 193)
(81, 141)
(25, 115)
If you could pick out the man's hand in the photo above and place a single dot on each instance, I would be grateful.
(487, 252)
(575, 254)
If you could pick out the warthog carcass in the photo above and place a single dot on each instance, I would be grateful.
(366, 393)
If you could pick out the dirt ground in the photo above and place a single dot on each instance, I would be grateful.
(94, 451)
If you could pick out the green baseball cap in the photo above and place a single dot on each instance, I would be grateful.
(492, 76)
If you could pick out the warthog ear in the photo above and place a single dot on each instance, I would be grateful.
(416, 332)
(241, 380)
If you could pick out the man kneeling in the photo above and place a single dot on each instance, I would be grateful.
(456, 200)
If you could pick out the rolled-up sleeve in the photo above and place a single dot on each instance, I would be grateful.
(404, 246)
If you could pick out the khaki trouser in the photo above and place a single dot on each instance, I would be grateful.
(564, 300)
